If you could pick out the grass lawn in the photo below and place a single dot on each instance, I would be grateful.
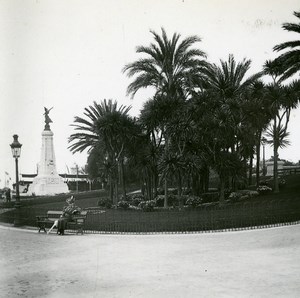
(262, 210)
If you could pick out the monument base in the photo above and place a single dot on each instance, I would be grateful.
(47, 185)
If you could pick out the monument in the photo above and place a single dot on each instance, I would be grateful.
(47, 181)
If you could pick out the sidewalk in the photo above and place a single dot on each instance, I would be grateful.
(255, 263)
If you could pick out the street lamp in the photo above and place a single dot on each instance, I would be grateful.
(264, 141)
(16, 152)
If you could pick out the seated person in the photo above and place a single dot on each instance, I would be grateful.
(68, 212)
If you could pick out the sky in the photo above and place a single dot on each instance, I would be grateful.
(66, 54)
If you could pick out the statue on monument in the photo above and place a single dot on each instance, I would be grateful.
(47, 118)
(47, 181)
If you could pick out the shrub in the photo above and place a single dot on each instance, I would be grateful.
(123, 205)
(135, 199)
(172, 200)
(209, 197)
(160, 200)
(253, 193)
(104, 202)
(147, 206)
(282, 183)
(227, 193)
(242, 195)
(194, 201)
(234, 196)
(263, 189)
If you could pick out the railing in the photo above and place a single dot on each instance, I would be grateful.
(289, 171)
(234, 216)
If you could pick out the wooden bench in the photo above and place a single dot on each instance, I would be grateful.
(77, 222)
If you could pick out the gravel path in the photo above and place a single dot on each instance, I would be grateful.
(255, 263)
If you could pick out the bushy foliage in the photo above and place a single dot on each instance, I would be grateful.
(135, 199)
(234, 196)
(242, 195)
(282, 183)
(209, 197)
(173, 200)
(147, 206)
(123, 204)
(264, 190)
(194, 201)
(104, 202)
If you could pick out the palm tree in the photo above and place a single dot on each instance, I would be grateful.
(108, 125)
(172, 67)
(227, 85)
(283, 100)
(290, 59)
(257, 116)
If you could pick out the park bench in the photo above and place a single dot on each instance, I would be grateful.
(76, 224)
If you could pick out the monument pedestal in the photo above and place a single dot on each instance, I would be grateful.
(47, 181)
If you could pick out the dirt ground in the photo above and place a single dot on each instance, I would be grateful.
(255, 263)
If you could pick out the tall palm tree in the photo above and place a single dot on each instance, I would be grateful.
(290, 59)
(172, 67)
(108, 125)
(227, 85)
(282, 100)
(257, 117)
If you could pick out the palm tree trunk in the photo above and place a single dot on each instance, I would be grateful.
(166, 193)
(111, 188)
(275, 147)
(179, 192)
(155, 183)
(166, 175)
(258, 159)
(122, 178)
(250, 171)
(275, 170)
(149, 186)
(222, 191)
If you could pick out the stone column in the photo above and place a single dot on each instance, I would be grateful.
(47, 181)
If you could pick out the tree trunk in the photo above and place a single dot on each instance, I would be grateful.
(111, 189)
(122, 179)
(142, 181)
(258, 160)
(275, 170)
(149, 186)
(166, 193)
(166, 176)
(155, 183)
(275, 147)
(179, 191)
(222, 191)
(250, 171)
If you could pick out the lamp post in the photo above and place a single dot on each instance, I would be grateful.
(264, 141)
(16, 152)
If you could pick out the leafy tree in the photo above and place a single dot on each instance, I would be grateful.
(257, 115)
(227, 84)
(110, 127)
(172, 67)
(289, 61)
(283, 100)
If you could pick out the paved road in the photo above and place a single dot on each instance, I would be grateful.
(258, 263)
